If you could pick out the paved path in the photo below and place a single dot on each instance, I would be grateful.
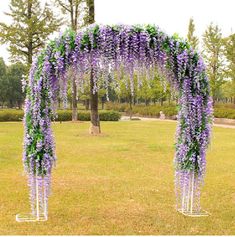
(127, 118)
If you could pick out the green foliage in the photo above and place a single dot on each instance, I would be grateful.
(121, 107)
(230, 70)
(15, 74)
(228, 90)
(63, 115)
(11, 94)
(143, 110)
(11, 115)
(3, 81)
(109, 115)
(193, 40)
(224, 113)
(31, 25)
(213, 55)
(66, 115)
(157, 89)
(220, 110)
(154, 110)
(230, 56)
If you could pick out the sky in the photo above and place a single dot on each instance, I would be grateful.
(172, 16)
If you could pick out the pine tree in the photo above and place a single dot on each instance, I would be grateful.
(31, 25)
(15, 96)
(3, 86)
(230, 56)
(193, 40)
(213, 54)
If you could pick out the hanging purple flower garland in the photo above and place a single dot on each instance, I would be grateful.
(106, 50)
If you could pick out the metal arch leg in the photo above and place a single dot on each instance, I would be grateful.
(39, 206)
(190, 202)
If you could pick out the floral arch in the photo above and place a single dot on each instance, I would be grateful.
(104, 51)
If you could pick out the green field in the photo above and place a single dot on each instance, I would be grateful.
(121, 182)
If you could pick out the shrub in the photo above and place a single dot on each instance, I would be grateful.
(66, 115)
(11, 115)
(63, 115)
(224, 113)
(143, 110)
(109, 115)
(121, 107)
(114, 115)
(220, 110)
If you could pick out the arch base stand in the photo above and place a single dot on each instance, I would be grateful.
(193, 213)
(30, 218)
(189, 202)
(38, 201)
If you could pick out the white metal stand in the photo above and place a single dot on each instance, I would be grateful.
(39, 206)
(190, 202)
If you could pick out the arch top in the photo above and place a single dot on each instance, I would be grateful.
(128, 48)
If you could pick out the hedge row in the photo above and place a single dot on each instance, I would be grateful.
(114, 113)
(143, 110)
(63, 115)
(66, 115)
(224, 113)
(220, 110)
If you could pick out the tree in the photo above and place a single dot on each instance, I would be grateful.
(90, 12)
(213, 55)
(193, 40)
(3, 84)
(31, 25)
(230, 56)
(10, 84)
(228, 91)
(15, 96)
(160, 89)
(73, 8)
(94, 98)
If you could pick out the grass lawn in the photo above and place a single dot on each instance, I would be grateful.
(121, 182)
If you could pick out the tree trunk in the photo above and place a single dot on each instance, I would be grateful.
(95, 121)
(134, 101)
(102, 102)
(130, 102)
(19, 104)
(169, 100)
(74, 101)
(91, 11)
(73, 21)
(59, 103)
(87, 104)
(213, 100)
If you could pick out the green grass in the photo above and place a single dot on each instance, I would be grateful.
(121, 182)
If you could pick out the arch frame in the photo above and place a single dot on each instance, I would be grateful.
(106, 50)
